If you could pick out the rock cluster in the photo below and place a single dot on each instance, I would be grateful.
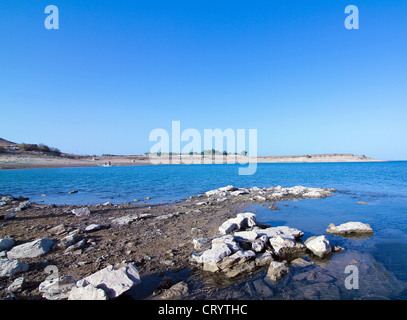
(245, 244)
(269, 193)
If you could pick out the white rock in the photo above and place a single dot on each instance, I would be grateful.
(259, 198)
(229, 240)
(125, 219)
(68, 241)
(16, 286)
(350, 228)
(11, 267)
(31, 249)
(227, 188)
(258, 246)
(229, 225)
(199, 242)
(282, 245)
(216, 193)
(249, 219)
(238, 192)
(88, 292)
(57, 288)
(246, 235)
(319, 246)
(114, 282)
(238, 257)
(297, 190)
(93, 227)
(81, 212)
(216, 253)
(284, 231)
(6, 244)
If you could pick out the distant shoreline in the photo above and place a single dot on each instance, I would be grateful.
(40, 161)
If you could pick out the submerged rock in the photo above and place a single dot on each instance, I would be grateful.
(277, 270)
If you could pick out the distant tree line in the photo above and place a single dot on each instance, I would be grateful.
(212, 152)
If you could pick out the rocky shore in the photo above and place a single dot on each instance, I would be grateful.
(106, 251)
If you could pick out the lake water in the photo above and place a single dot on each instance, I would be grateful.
(383, 273)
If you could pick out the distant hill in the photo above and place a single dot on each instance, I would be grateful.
(6, 143)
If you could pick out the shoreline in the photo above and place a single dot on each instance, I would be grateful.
(161, 241)
(17, 162)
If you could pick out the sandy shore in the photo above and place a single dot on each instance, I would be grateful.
(35, 161)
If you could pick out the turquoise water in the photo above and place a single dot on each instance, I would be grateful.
(382, 185)
(174, 182)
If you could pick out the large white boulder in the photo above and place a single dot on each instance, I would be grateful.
(319, 246)
(31, 249)
(113, 282)
(350, 228)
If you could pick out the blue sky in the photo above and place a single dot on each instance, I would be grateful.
(116, 70)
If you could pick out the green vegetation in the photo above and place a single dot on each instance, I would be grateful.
(38, 147)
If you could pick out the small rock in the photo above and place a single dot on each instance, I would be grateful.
(6, 244)
(93, 227)
(199, 242)
(81, 212)
(178, 290)
(17, 285)
(10, 216)
(68, 241)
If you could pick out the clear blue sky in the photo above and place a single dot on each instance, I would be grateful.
(115, 70)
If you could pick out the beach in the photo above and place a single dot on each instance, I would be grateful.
(34, 160)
